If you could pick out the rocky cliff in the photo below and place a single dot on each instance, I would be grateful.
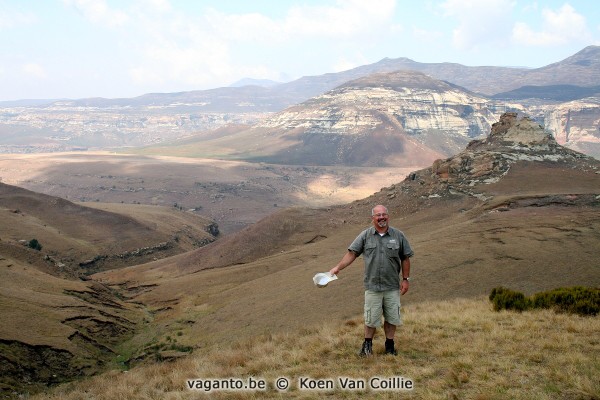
(486, 161)
(575, 124)
(436, 114)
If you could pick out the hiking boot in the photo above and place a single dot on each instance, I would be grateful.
(367, 349)
(389, 349)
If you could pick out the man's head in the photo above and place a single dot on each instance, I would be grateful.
(380, 217)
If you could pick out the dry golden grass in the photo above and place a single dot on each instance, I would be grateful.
(449, 349)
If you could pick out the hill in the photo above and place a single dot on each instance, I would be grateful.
(79, 240)
(53, 326)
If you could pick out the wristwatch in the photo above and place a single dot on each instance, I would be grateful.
(406, 279)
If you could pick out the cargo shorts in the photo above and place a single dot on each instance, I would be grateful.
(382, 303)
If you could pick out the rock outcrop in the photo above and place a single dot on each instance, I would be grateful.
(511, 139)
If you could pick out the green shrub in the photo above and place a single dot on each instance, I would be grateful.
(577, 300)
(506, 299)
(34, 244)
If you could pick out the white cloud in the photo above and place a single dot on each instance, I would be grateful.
(346, 18)
(98, 12)
(344, 64)
(427, 36)
(559, 27)
(200, 50)
(34, 70)
(11, 18)
(170, 48)
(252, 27)
(480, 23)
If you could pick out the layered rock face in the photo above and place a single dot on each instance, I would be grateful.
(408, 101)
(429, 113)
(398, 118)
(576, 124)
(511, 140)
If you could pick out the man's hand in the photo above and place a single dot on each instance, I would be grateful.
(334, 271)
(403, 287)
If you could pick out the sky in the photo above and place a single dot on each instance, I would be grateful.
(71, 49)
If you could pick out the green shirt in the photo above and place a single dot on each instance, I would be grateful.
(383, 255)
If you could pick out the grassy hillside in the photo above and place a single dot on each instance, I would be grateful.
(71, 234)
(458, 254)
(447, 349)
(54, 326)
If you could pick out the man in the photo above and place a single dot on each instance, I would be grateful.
(387, 253)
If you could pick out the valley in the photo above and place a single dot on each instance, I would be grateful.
(234, 194)
(165, 223)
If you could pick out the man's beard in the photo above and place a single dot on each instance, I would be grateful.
(382, 223)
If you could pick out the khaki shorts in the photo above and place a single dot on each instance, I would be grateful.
(382, 303)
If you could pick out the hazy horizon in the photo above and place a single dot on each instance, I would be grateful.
(72, 49)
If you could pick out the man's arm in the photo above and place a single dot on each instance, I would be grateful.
(405, 274)
(348, 259)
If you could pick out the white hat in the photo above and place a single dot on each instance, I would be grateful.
(323, 278)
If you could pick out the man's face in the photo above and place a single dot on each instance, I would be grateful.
(380, 217)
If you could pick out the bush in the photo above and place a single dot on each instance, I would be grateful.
(506, 299)
(576, 300)
(34, 244)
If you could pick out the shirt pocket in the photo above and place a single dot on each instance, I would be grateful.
(392, 250)
(370, 248)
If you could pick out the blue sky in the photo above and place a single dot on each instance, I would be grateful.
(126, 48)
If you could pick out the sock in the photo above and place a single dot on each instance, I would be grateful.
(368, 340)
(389, 342)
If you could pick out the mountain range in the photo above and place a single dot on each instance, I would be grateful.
(562, 96)
(401, 118)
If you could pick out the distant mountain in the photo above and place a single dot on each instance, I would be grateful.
(581, 69)
(550, 92)
(161, 117)
(27, 103)
(220, 100)
(487, 80)
(254, 82)
(401, 118)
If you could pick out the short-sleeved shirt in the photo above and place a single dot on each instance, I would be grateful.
(383, 256)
